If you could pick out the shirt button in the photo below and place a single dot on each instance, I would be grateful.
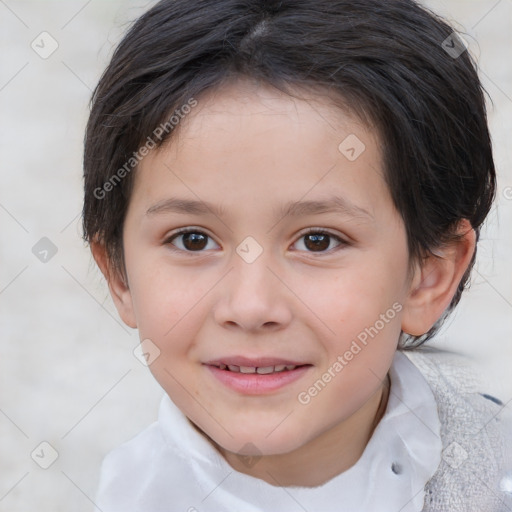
(396, 468)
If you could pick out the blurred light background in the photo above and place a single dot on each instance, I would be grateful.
(68, 376)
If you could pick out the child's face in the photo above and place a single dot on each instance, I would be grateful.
(303, 300)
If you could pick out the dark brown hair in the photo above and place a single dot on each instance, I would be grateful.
(394, 63)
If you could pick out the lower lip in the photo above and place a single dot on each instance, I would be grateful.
(255, 383)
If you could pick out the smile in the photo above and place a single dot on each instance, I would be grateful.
(257, 380)
(261, 370)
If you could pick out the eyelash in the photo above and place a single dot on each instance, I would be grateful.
(310, 231)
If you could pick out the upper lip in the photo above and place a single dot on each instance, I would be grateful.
(258, 362)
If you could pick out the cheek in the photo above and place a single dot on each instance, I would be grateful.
(168, 304)
(352, 300)
(360, 313)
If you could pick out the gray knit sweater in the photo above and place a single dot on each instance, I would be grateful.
(475, 474)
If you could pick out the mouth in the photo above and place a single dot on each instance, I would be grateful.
(260, 370)
(256, 376)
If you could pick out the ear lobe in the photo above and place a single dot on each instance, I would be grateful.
(436, 280)
(118, 287)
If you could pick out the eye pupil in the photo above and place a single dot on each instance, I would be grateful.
(197, 240)
(319, 241)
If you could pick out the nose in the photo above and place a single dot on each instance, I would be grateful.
(253, 298)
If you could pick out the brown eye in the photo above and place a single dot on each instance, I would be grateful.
(194, 241)
(190, 241)
(318, 241)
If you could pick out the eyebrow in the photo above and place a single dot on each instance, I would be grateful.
(332, 204)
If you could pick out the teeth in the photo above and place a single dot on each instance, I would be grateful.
(247, 369)
(263, 370)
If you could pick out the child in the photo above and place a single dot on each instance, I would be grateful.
(285, 199)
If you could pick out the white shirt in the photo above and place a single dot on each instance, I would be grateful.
(171, 467)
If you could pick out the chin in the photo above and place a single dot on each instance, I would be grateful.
(257, 444)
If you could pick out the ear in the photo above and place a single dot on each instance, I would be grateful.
(117, 285)
(436, 280)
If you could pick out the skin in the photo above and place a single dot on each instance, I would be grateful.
(250, 149)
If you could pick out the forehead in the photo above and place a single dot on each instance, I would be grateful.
(246, 104)
(255, 145)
